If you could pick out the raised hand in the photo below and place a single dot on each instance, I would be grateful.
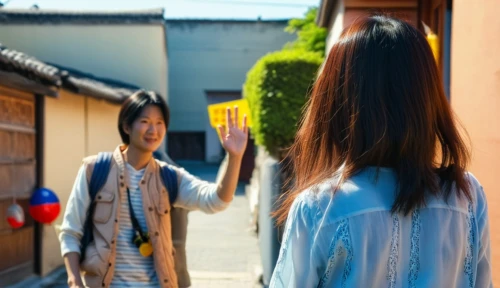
(234, 138)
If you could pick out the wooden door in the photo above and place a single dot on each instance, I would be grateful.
(186, 146)
(18, 179)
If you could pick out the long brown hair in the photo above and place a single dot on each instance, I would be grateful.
(379, 101)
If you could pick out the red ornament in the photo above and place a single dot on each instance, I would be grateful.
(15, 216)
(44, 206)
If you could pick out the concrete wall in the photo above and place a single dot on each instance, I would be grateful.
(475, 96)
(213, 55)
(64, 148)
(75, 127)
(102, 128)
(336, 25)
(131, 53)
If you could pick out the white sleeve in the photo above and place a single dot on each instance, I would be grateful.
(297, 263)
(75, 214)
(484, 270)
(196, 194)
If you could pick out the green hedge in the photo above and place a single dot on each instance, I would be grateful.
(276, 89)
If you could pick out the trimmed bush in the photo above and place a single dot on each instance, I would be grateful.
(276, 88)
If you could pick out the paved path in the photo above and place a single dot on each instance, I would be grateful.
(221, 250)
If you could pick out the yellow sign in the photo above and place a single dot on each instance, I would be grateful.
(217, 112)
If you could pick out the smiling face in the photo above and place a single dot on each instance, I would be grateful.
(147, 131)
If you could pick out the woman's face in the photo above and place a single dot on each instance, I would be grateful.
(148, 130)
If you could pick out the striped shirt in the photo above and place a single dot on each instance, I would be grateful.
(132, 269)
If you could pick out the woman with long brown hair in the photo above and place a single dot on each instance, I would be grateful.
(381, 196)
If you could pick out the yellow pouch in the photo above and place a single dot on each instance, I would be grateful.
(146, 249)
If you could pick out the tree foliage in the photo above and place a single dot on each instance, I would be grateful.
(310, 37)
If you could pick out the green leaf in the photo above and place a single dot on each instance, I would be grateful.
(276, 97)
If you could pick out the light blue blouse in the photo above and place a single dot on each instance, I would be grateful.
(351, 239)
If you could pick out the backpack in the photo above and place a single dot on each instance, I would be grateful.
(97, 181)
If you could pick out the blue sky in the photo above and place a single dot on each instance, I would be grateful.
(225, 9)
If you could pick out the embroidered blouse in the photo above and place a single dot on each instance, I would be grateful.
(351, 238)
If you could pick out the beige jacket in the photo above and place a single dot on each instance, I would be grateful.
(97, 267)
(179, 220)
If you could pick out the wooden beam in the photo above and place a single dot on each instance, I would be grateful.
(18, 82)
(17, 128)
(4, 90)
(40, 148)
(380, 4)
(15, 162)
(325, 12)
(21, 195)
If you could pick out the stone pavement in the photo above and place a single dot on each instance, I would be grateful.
(222, 252)
(221, 249)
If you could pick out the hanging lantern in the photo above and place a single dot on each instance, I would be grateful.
(44, 206)
(432, 39)
(15, 216)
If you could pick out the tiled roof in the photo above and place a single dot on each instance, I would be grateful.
(97, 87)
(41, 16)
(62, 77)
(29, 67)
(230, 21)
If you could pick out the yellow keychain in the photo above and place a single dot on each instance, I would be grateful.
(144, 244)
(146, 249)
(141, 240)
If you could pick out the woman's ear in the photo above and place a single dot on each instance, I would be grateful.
(126, 128)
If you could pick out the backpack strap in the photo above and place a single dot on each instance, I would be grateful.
(169, 178)
(100, 173)
(168, 174)
(97, 181)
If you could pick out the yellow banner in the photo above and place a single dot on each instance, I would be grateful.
(217, 112)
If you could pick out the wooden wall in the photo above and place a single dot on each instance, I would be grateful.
(18, 179)
(404, 9)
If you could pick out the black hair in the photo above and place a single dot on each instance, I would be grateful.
(133, 107)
